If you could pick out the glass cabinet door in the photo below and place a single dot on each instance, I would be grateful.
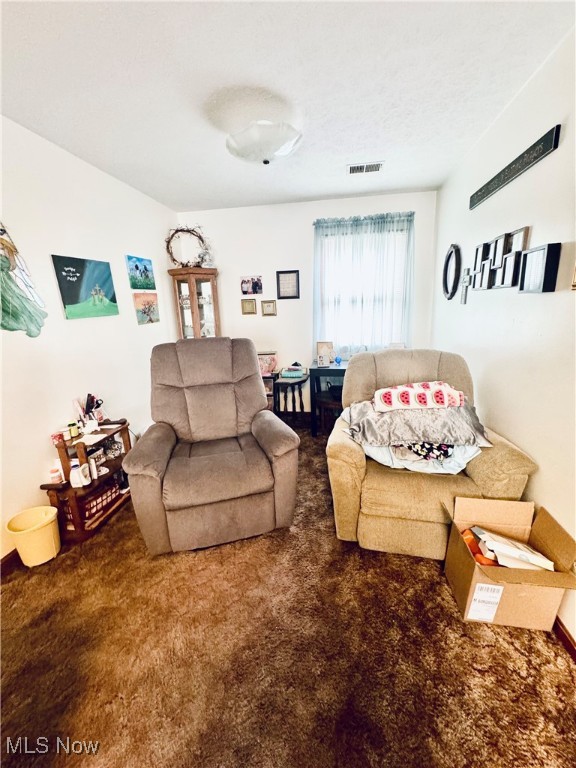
(205, 300)
(196, 294)
(185, 309)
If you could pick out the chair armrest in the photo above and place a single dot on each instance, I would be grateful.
(346, 470)
(501, 472)
(152, 452)
(341, 447)
(272, 435)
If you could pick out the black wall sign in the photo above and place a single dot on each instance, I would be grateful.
(548, 143)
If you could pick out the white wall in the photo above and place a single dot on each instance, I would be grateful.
(520, 347)
(55, 203)
(263, 239)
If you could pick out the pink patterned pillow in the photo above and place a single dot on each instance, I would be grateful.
(422, 394)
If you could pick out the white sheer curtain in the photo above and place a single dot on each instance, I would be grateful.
(363, 281)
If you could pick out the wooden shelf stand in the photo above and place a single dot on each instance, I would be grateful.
(81, 511)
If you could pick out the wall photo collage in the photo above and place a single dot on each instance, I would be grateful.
(287, 287)
(506, 262)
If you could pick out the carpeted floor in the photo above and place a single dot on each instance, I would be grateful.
(291, 650)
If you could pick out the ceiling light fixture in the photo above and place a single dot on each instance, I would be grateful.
(263, 141)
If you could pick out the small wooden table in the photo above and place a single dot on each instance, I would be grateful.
(285, 384)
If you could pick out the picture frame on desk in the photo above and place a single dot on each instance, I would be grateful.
(323, 361)
(325, 349)
(267, 362)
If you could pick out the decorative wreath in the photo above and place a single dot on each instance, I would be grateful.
(203, 247)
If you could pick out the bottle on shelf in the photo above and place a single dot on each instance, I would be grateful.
(79, 474)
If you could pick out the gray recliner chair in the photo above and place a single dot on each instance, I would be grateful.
(217, 466)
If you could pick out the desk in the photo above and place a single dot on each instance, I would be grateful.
(283, 385)
(316, 375)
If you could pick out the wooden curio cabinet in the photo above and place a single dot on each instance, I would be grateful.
(196, 296)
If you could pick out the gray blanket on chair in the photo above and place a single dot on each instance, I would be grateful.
(453, 426)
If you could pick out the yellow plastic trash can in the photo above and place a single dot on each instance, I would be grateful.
(35, 533)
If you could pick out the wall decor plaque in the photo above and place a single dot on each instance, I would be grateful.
(546, 144)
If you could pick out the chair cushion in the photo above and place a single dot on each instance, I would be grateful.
(207, 389)
(411, 496)
(215, 470)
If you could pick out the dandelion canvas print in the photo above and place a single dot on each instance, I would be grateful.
(140, 273)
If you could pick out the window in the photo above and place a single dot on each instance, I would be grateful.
(363, 281)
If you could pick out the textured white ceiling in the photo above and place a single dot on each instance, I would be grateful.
(146, 90)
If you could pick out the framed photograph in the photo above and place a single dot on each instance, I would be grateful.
(325, 349)
(249, 307)
(507, 276)
(482, 253)
(498, 247)
(518, 240)
(249, 286)
(539, 269)
(288, 284)
(268, 362)
(268, 308)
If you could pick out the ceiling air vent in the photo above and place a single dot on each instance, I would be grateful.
(364, 168)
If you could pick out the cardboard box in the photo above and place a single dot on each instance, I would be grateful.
(509, 596)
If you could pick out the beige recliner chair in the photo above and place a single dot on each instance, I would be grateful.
(397, 510)
(216, 466)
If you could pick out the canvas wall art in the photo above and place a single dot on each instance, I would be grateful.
(146, 306)
(86, 287)
(140, 274)
(22, 308)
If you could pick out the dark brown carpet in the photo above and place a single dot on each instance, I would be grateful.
(291, 650)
